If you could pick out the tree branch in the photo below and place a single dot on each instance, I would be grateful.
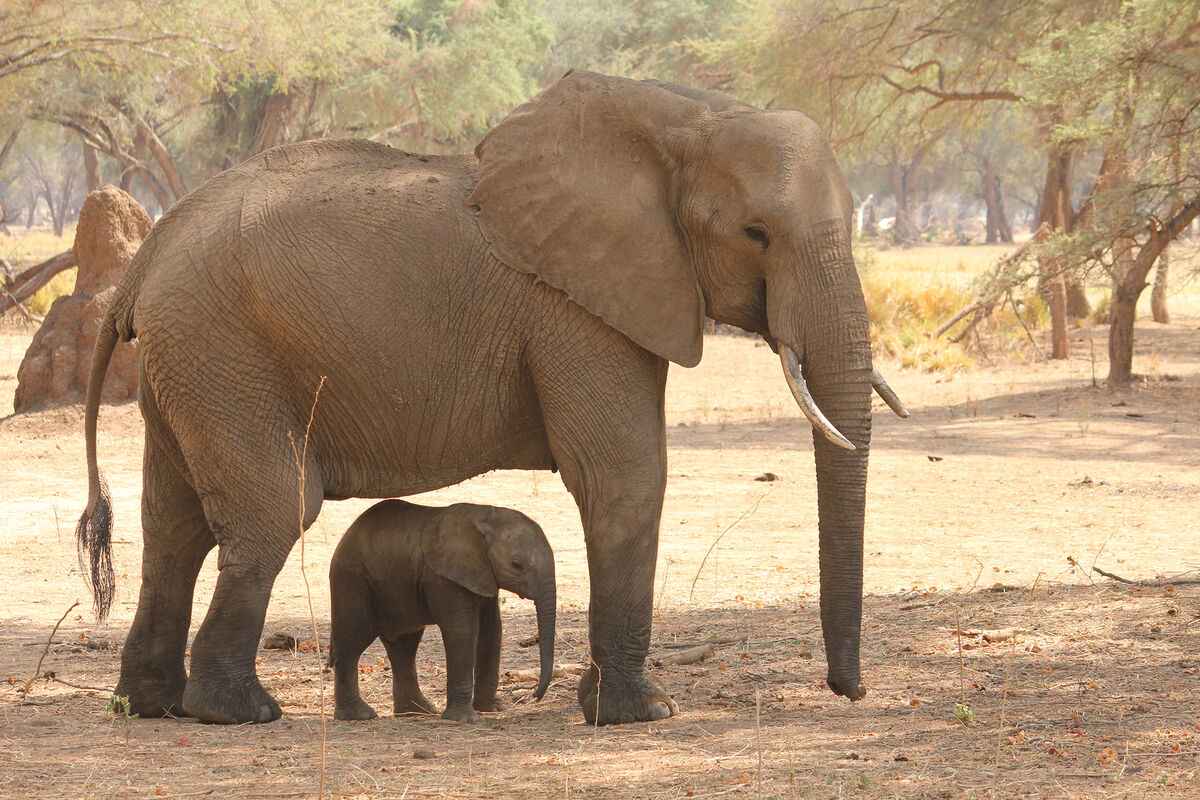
(991, 94)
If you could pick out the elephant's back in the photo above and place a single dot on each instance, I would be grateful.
(311, 218)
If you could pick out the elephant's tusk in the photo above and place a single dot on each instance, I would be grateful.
(888, 395)
(804, 398)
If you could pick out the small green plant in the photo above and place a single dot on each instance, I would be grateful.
(119, 704)
(963, 713)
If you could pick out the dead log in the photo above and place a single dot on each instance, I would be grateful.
(27, 282)
(698, 642)
(693, 655)
(533, 675)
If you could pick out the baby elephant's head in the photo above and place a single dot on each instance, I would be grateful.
(485, 548)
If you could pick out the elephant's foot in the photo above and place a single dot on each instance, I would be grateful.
(612, 700)
(412, 703)
(229, 702)
(490, 704)
(461, 714)
(151, 698)
(354, 709)
(150, 695)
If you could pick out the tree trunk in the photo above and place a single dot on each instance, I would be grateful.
(48, 196)
(1055, 210)
(1129, 289)
(1158, 295)
(64, 203)
(904, 232)
(1005, 229)
(91, 168)
(272, 117)
(990, 192)
(8, 144)
(30, 208)
(161, 155)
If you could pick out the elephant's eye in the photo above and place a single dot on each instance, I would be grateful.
(516, 564)
(759, 234)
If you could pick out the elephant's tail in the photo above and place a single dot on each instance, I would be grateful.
(93, 534)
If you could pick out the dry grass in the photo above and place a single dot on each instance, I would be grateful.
(23, 249)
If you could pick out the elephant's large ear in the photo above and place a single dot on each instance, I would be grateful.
(578, 187)
(455, 547)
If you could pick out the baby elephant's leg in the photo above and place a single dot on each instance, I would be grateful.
(459, 622)
(347, 701)
(353, 631)
(487, 659)
(406, 692)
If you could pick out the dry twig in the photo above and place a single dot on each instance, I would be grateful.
(49, 640)
(301, 458)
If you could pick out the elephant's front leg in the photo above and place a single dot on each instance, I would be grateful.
(621, 527)
(458, 617)
(602, 400)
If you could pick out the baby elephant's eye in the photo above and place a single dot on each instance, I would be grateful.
(517, 565)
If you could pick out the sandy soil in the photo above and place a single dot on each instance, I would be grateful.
(986, 511)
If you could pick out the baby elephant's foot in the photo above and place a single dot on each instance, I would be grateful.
(355, 709)
(461, 714)
(490, 704)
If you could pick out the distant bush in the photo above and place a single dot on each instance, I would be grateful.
(911, 294)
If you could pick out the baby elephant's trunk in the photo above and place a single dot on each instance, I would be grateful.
(545, 603)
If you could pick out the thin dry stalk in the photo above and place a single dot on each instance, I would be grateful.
(962, 678)
(703, 561)
(1000, 727)
(758, 739)
(301, 459)
(49, 640)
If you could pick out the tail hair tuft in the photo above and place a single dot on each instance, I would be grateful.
(93, 539)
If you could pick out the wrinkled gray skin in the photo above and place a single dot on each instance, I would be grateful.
(402, 566)
(511, 309)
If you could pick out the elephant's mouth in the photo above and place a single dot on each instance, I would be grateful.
(793, 374)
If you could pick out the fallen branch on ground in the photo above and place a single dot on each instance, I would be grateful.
(533, 675)
(1180, 581)
(27, 282)
(1001, 635)
(699, 642)
(692, 655)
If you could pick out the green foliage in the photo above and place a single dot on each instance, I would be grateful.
(963, 713)
(466, 63)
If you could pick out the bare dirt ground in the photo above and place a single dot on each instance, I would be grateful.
(986, 511)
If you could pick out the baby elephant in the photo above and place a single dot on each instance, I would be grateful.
(402, 566)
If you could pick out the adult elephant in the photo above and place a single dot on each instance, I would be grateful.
(511, 309)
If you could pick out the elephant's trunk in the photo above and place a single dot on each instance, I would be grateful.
(545, 603)
(831, 333)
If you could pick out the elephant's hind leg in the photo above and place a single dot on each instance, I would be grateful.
(407, 697)
(176, 538)
(252, 508)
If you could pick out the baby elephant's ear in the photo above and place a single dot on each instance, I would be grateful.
(455, 549)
